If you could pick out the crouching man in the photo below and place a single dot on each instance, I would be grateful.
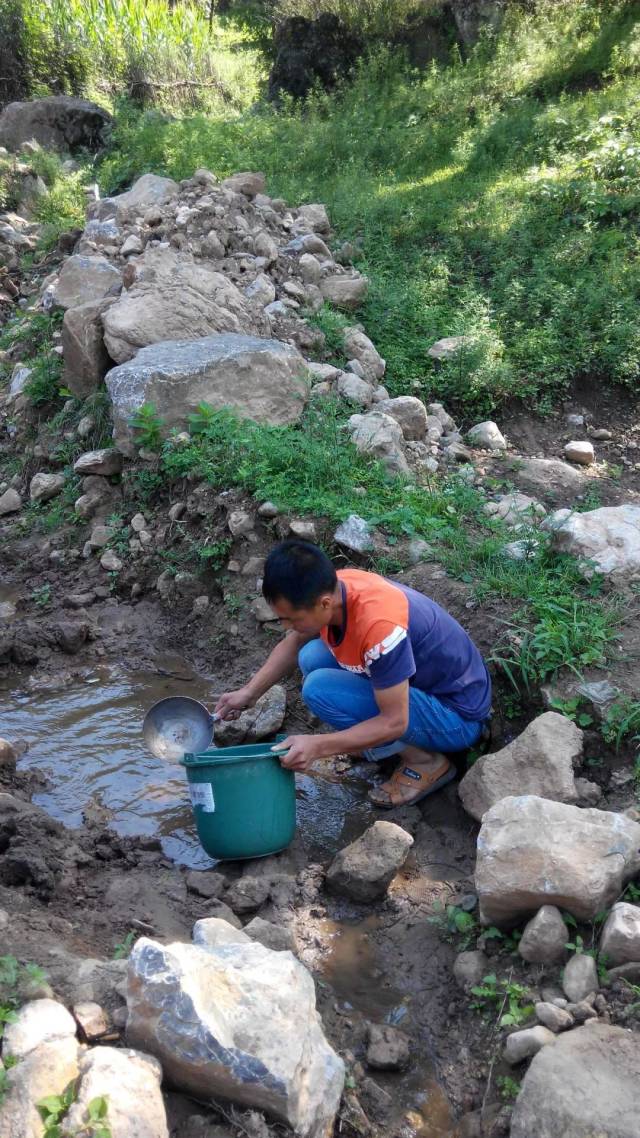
(388, 669)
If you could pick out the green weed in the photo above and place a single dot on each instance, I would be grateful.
(148, 426)
(42, 595)
(455, 925)
(492, 994)
(53, 1108)
(509, 1088)
(622, 721)
(122, 950)
(570, 708)
(12, 976)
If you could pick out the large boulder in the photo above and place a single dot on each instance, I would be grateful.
(409, 412)
(540, 761)
(58, 122)
(258, 379)
(365, 869)
(345, 291)
(239, 1022)
(84, 279)
(86, 359)
(37, 1022)
(534, 852)
(606, 540)
(175, 298)
(381, 436)
(359, 347)
(149, 190)
(585, 1086)
(130, 1083)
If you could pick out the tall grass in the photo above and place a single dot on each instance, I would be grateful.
(495, 197)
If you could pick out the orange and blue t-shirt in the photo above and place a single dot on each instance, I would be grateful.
(391, 633)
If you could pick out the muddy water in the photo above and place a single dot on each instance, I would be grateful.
(87, 740)
(355, 974)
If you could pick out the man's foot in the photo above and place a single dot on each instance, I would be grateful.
(419, 774)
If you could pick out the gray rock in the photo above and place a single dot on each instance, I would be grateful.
(304, 529)
(355, 534)
(110, 561)
(258, 379)
(555, 1018)
(523, 1044)
(19, 377)
(586, 1085)
(84, 280)
(132, 246)
(70, 635)
(276, 937)
(487, 435)
(315, 216)
(91, 1019)
(379, 435)
(307, 243)
(582, 453)
(387, 1048)
(86, 360)
(540, 761)
(580, 977)
(620, 938)
(516, 509)
(44, 486)
(10, 502)
(409, 412)
(545, 937)
(248, 182)
(174, 298)
(40, 1021)
(104, 462)
(220, 911)
(359, 347)
(262, 290)
(100, 235)
(564, 858)
(450, 347)
(47, 1070)
(57, 122)
(248, 894)
(365, 869)
(584, 1010)
(606, 540)
(130, 1082)
(256, 723)
(236, 1022)
(346, 292)
(469, 968)
(355, 390)
(212, 932)
(206, 883)
(240, 523)
(147, 192)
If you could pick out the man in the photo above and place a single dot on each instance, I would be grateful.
(383, 665)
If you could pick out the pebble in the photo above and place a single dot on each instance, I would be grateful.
(268, 510)
(110, 562)
(522, 1044)
(580, 452)
(555, 1018)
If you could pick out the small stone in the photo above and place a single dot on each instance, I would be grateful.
(449, 347)
(583, 1011)
(581, 453)
(365, 869)
(387, 1048)
(523, 1044)
(222, 912)
(262, 611)
(600, 434)
(545, 937)
(101, 536)
(206, 883)
(176, 511)
(43, 486)
(487, 435)
(305, 530)
(268, 510)
(200, 606)
(240, 523)
(276, 937)
(105, 462)
(620, 939)
(138, 523)
(131, 246)
(574, 420)
(580, 977)
(555, 1018)
(111, 562)
(92, 1020)
(248, 894)
(469, 968)
(8, 755)
(10, 502)
(354, 534)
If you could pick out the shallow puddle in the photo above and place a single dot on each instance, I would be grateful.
(354, 973)
(87, 740)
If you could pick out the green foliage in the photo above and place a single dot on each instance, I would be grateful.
(621, 722)
(455, 925)
(124, 947)
(12, 976)
(570, 707)
(509, 1088)
(42, 595)
(488, 196)
(508, 941)
(492, 994)
(148, 426)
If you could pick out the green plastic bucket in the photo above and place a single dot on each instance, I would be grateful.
(244, 802)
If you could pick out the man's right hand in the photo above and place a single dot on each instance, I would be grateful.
(232, 703)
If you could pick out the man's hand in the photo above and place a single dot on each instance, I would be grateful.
(297, 752)
(232, 703)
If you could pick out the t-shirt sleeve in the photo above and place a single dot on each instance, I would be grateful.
(389, 655)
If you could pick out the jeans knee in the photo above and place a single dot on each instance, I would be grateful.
(314, 690)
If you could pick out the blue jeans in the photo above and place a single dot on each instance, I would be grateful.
(342, 699)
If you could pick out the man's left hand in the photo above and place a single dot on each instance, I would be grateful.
(297, 752)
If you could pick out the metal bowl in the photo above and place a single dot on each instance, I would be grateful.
(177, 726)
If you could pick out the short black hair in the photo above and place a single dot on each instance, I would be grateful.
(298, 572)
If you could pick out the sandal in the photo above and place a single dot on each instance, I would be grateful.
(422, 783)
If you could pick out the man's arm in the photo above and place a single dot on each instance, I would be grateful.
(391, 723)
(279, 664)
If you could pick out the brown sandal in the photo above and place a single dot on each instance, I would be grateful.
(422, 783)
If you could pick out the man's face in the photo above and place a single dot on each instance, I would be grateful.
(308, 620)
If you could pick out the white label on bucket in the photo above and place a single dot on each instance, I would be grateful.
(202, 795)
